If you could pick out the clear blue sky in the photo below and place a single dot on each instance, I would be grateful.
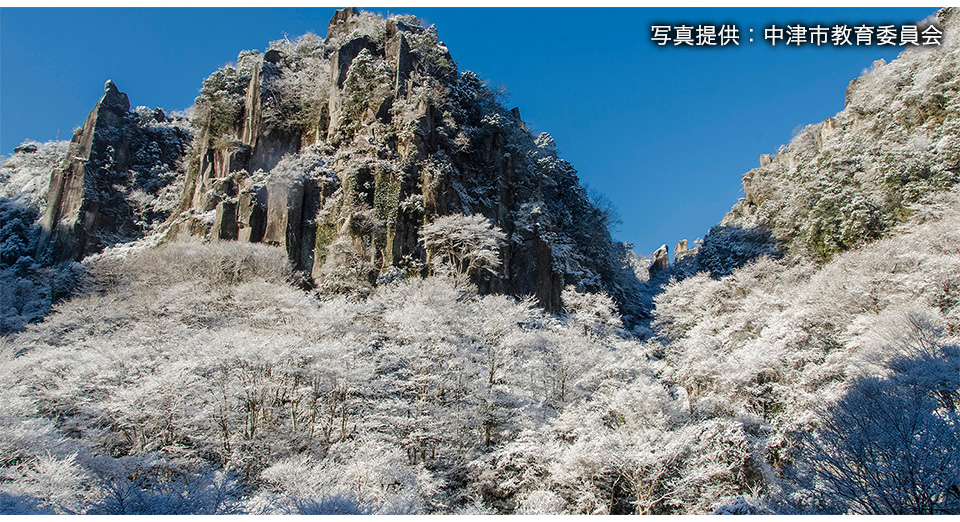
(665, 133)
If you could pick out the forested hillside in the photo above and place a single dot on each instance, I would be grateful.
(351, 282)
(851, 179)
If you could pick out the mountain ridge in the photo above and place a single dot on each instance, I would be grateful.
(378, 127)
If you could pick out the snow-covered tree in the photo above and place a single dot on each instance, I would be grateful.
(463, 245)
(888, 447)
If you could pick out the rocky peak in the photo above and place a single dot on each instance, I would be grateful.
(341, 152)
(88, 206)
(343, 22)
(113, 99)
(661, 261)
(680, 251)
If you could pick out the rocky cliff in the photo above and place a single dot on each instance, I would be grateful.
(111, 185)
(339, 150)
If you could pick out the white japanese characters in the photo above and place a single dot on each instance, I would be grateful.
(838, 35)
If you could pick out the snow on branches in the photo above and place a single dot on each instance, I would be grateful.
(463, 245)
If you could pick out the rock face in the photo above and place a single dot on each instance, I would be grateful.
(680, 250)
(684, 257)
(76, 212)
(661, 260)
(114, 154)
(343, 149)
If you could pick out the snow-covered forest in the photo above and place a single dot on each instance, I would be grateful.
(437, 321)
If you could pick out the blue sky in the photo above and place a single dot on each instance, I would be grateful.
(664, 132)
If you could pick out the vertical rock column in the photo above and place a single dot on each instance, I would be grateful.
(74, 215)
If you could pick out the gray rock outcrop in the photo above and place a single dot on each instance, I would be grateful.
(680, 250)
(661, 261)
(114, 154)
(76, 211)
(409, 140)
